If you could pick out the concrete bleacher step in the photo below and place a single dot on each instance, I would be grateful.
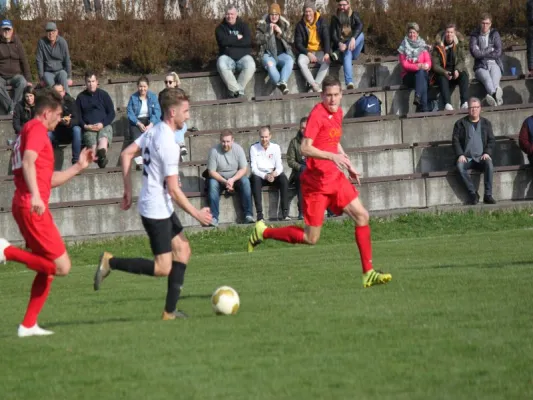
(99, 218)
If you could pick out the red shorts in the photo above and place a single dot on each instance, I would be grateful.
(40, 233)
(315, 203)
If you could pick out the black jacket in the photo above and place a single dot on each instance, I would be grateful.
(21, 115)
(69, 108)
(301, 36)
(229, 45)
(460, 135)
(529, 14)
(336, 27)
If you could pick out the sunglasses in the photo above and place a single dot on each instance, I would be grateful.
(169, 82)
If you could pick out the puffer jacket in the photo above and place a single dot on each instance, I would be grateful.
(492, 52)
(266, 39)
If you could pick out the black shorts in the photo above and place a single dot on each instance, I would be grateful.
(161, 232)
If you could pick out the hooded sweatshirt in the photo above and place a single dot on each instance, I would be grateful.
(229, 44)
(314, 40)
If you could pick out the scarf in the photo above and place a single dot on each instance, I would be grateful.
(412, 48)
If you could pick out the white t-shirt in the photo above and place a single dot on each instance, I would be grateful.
(161, 155)
(143, 112)
(264, 161)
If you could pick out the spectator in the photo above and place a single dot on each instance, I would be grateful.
(449, 67)
(24, 110)
(172, 80)
(529, 40)
(525, 138)
(473, 142)
(97, 112)
(267, 170)
(311, 39)
(235, 48)
(143, 109)
(347, 38)
(486, 48)
(227, 168)
(14, 67)
(275, 39)
(416, 64)
(296, 161)
(68, 130)
(53, 59)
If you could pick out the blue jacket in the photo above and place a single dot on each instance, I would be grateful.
(134, 107)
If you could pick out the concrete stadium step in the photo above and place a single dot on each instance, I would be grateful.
(100, 218)
(367, 71)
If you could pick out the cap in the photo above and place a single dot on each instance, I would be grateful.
(6, 24)
(274, 9)
(50, 26)
(413, 25)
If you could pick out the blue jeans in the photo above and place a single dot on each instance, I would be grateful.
(66, 136)
(227, 66)
(483, 165)
(285, 62)
(242, 186)
(349, 56)
(419, 81)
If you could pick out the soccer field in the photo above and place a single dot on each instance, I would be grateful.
(455, 322)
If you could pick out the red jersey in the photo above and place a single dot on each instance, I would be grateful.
(33, 136)
(325, 128)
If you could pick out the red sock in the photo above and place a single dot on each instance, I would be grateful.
(289, 234)
(39, 293)
(32, 261)
(364, 242)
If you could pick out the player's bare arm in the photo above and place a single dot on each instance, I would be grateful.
(203, 216)
(351, 170)
(308, 150)
(128, 154)
(60, 177)
(30, 177)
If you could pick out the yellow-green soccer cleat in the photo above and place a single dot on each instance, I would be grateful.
(373, 277)
(257, 235)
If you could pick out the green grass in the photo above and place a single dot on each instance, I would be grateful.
(455, 322)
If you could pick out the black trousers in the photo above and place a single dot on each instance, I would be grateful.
(135, 132)
(281, 182)
(446, 87)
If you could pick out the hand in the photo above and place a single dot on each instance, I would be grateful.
(455, 74)
(29, 84)
(449, 76)
(276, 28)
(66, 120)
(270, 178)
(87, 157)
(342, 47)
(126, 199)
(149, 126)
(69, 82)
(461, 159)
(229, 184)
(204, 216)
(351, 45)
(37, 205)
(485, 156)
(354, 175)
(141, 126)
(342, 161)
(98, 127)
(239, 37)
(312, 57)
(326, 58)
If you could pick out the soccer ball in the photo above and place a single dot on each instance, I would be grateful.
(225, 301)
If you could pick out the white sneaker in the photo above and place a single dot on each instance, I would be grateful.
(3, 245)
(448, 107)
(464, 105)
(490, 100)
(35, 330)
(499, 96)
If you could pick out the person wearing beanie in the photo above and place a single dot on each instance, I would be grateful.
(53, 59)
(312, 42)
(416, 63)
(234, 40)
(274, 38)
(347, 38)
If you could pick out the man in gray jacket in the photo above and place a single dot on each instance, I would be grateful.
(53, 59)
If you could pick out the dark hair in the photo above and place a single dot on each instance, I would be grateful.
(226, 132)
(485, 16)
(90, 73)
(143, 79)
(264, 128)
(330, 80)
(451, 25)
(171, 97)
(47, 99)
(28, 89)
(304, 119)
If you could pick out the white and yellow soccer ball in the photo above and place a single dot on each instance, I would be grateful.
(225, 301)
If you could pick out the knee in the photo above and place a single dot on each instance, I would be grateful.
(489, 166)
(162, 269)
(213, 186)
(311, 239)
(245, 183)
(461, 166)
(248, 63)
(62, 75)
(362, 217)
(303, 60)
(64, 268)
(222, 63)
(182, 252)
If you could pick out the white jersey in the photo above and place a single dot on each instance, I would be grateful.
(160, 154)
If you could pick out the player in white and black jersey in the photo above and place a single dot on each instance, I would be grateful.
(160, 186)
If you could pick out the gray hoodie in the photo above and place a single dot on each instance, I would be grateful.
(53, 58)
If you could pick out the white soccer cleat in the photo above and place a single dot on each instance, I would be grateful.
(35, 330)
(3, 245)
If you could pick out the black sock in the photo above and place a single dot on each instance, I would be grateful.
(175, 281)
(133, 265)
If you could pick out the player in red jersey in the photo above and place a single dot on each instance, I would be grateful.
(34, 177)
(324, 185)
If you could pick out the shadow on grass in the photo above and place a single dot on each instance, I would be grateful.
(476, 265)
(91, 322)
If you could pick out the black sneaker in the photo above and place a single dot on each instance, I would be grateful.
(473, 199)
(102, 158)
(335, 55)
(488, 199)
(283, 88)
(260, 216)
